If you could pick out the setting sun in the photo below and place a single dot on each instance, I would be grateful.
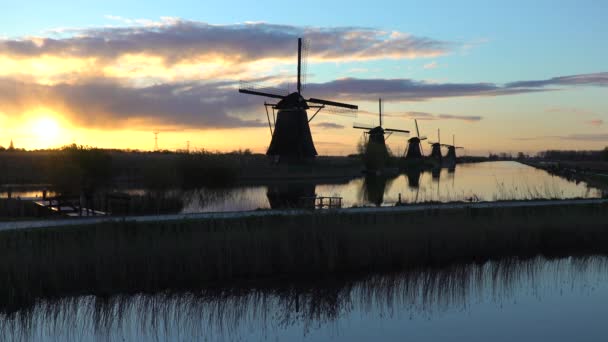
(45, 128)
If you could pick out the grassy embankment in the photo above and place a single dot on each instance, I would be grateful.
(129, 257)
(177, 169)
(594, 173)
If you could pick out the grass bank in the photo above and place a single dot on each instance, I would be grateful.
(130, 257)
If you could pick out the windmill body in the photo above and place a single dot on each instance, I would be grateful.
(451, 155)
(376, 149)
(414, 147)
(436, 148)
(291, 136)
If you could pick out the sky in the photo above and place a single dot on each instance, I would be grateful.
(499, 76)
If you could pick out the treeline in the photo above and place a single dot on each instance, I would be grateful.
(601, 155)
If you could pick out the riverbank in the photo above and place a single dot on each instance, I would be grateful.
(594, 173)
(130, 256)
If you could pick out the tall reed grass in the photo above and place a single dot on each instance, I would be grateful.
(133, 257)
(231, 312)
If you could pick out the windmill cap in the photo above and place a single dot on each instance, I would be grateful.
(293, 100)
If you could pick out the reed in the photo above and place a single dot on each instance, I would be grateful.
(130, 257)
(228, 313)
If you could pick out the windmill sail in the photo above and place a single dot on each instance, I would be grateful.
(291, 137)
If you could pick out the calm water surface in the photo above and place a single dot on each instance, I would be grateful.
(534, 300)
(478, 181)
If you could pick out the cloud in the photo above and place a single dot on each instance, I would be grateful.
(177, 40)
(568, 110)
(432, 65)
(105, 103)
(596, 122)
(328, 125)
(471, 118)
(429, 116)
(576, 137)
(407, 89)
(599, 79)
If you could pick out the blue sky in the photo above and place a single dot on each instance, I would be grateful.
(511, 40)
(489, 42)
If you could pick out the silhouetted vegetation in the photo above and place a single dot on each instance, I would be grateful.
(128, 257)
(373, 155)
(17, 209)
(79, 170)
(208, 169)
(225, 313)
(575, 155)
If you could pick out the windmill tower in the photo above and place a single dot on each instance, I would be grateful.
(376, 134)
(414, 146)
(290, 130)
(436, 147)
(451, 155)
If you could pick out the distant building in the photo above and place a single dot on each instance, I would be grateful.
(11, 147)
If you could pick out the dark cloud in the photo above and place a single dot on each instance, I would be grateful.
(407, 89)
(110, 104)
(328, 125)
(177, 40)
(599, 79)
(430, 116)
(471, 118)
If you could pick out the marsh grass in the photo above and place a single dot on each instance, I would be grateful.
(227, 313)
(128, 257)
(11, 208)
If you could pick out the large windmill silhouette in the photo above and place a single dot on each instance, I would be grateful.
(290, 129)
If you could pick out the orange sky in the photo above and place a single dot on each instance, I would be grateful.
(57, 91)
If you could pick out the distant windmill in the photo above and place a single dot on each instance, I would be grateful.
(414, 147)
(436, 147)
(291, 137)
(375, 134)
(451, 155)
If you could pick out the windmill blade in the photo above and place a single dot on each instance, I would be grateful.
(260, 90)
(417, 131)
(333, 103)
(422, 138)
(340, 111)
(393, 130)
(458, 147)
(363, 126)
(305, 48)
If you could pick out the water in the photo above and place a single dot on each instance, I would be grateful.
(503, 300)
(487, 181)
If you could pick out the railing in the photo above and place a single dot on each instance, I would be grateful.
(321, 202)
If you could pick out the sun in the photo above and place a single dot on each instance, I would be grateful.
(45, 128)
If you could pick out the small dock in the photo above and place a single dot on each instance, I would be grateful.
(67, 208)
(321, 202)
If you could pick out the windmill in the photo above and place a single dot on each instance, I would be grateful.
(451, 155)
(375, 134)
(414, 147)
(436, 147)
(290, 129)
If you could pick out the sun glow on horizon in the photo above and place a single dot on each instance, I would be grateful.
(42, 129)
